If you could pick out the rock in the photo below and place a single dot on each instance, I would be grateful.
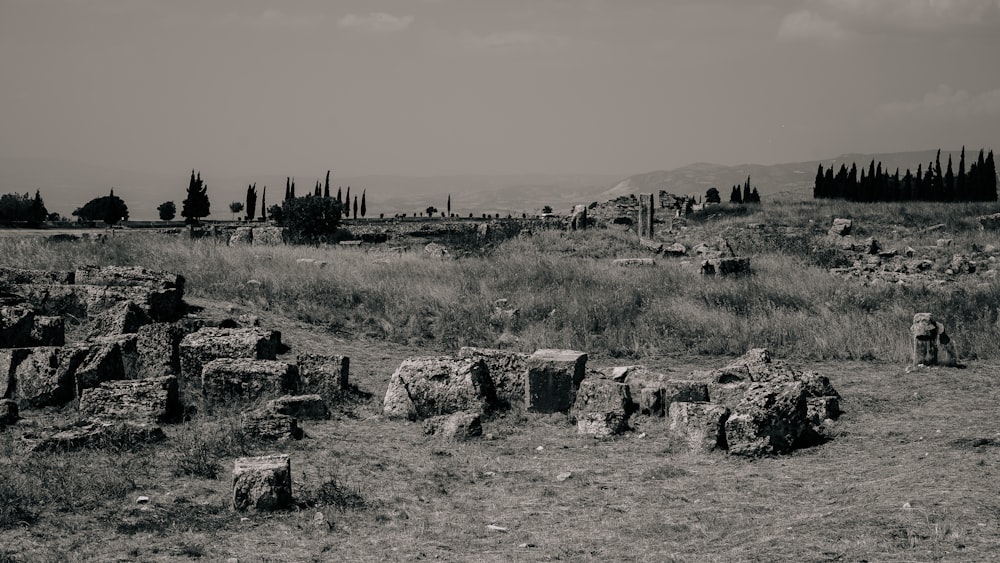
(326, 376)
(552, 379)
(423, 387)
(770, 419)
(103, 361)
(747, 367)
(653, 246)
(303, 407)
(10, 359)
(262, 483)
(8, 413)
(459, 426)
(207, 344)
(270, 426)
(725, 266)
(727, 394)
(602, 407)
(563, 477)
(151, 400)
(242, 235)
(682, 390)
(130, 276)
(45, 376)
(269, 236)
(633, 262)
(48, 331)
(698, 426)
(99, 434)
(989, 222)
(943, 242)
(21, 276)
(228, 380)
(16, 325)
(650, 401)
(676, 249)
(435, 250)
(506, 370)
(578, 219)
(646, 216)
(158, 345)
(929, 338)
(124, 318)
(819, 409)
(841, 227)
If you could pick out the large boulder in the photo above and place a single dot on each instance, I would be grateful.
(698, 426)
(423, 387)
(207, 344)
(324, 375)
(262, 483)
(228, 380)
(772, 418)
(552, 379)
(151, 400)
(507, 371)
(602, 407)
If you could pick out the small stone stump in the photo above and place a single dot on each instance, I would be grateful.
(552, 379)
(698, 426)
(841, 227)
(262, 483)
(929, 337)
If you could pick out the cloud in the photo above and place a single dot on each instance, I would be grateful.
(272, 18)
(376, 22)
(926, 14)
(805, 24)
(945, 102)
(517, 41)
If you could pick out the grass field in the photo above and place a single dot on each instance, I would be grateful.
(907, 476)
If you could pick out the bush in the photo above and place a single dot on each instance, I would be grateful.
(311, 220)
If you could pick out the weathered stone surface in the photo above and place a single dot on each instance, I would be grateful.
(435, 250)
(578, 219)
(770, 419)
(841, 227)
(819, 409)
(324, 375)
(646, 216)
(228, 380)
(46, 376)
(430, 386)
(633, 262)
(269, 236)
(18, 276)
(131, 276)
(727, 394)
(54, 300)
(10, 359)
(683, 390)
(207, 344)
(262, 483)
(103, 361)
(242, 235)
(159, 348)
(989, 222)
(676, 249)
(302, 407)
(507, 371)
(602, 407)
(16, 324)
(927, 334)
(98, 434)
(48, 331)
(698, 426)
(650, 401)
(552, 379)
(8, 413)
(87, 301)
(123, 318)
(748, 367)
(268, 425)
(153, 400)
(459, 426)
(725, 266)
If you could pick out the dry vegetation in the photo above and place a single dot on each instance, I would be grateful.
(906, 477)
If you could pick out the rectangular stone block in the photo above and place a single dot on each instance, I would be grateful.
(507, 371)
(46, 376)
(324, 375)
(553, 377)
(270, 426)
(207, 344)
(229, 380)
(699, 427)
(646, 211)
(269, 236)
(262, 483)
(10, 359)
(103, 361)
(152, 400)
(159, 348)
(303, 407)
(16, 324)
(683, 390)
(602, 407)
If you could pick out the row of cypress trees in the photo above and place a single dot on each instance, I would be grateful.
(324, 191)
(979, 183)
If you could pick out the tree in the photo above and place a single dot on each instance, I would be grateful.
(712, 196)
(276, 213)
(431, 210)
(546, 209)
(736, 197)
(167, 210)
(15, 207)
(36, 211)
(449, 204)
(355, 207)
(288, 188)
(263, 205)
(236, 207)
(364, 208)
(196, 205)
(318, 191)
(340, 196)
(347, 202)
(251, 206)
(110, 209)
(311, 219)
(326, 185)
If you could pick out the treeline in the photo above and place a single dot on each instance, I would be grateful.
(979, 183)
(746, 195)
(24, 208)
(323, 190)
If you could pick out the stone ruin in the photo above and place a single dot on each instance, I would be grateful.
(929, 341)
(752, 407)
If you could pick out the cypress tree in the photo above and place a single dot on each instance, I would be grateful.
(340, 197)
(355, 207)
(292, 192)
(818, 191)
(949, 183)
(938, 178)
(196, 205)
(449, 204)
(989, 174)
(251, 205)
(364, 208)
(288, 188)
(736, 198)
(347, 203)
(326, 185)
(746, 191)
(318, 191)
(961, 188)
(263, 204)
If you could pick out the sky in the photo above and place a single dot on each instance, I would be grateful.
(440, 87)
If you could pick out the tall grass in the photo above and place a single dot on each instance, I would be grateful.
(569, 295)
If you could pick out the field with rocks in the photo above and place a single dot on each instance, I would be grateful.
(794, 381)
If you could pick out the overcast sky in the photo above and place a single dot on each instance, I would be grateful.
(428, 87)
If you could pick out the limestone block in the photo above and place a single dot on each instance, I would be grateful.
(651, 401)
(271, 426)
(228, 380)
(698, 426)
(924, 331)
(602, 407)
(207, 344)
(158, 345)
(507, 371)
(130, 276)
(727, 394)
(103, 360)
(682, 390)
(242, 235)
(303, 407)
(152, 400)
(262, 483)
(325, 375)
(123, 318)
(770, 419)
(841, 227)
(46, 376)
(18, 276)
(819, 409)
(10, 359)
(16, 324)
(269, 236)
(97, 434)
(429, 386)
(552, 379)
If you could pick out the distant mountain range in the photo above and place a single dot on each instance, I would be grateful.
(67, 185)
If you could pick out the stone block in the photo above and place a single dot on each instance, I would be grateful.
(819, 409)
(682, 390)
(651, 401)
(771, 419)
(460, 426)
(552, 379)
(99, 434)
(507, 371)
(228, 380)
(102, 361)
(262, 483)
(46, 376)
(48, 331)
(8, 413)
(429, 386)
(16, 324)
(207, 344)
(10, 359)
(841, 227)
(18, 276)
(646, 216)
(128, 276)
(152, 400)
(270, 426)
(302, 407)
(242, 235)
(727, 394)
(327, 376)
(698, 426)
(602, 407)
(158, 345)
(123, 318)
(269, 236)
